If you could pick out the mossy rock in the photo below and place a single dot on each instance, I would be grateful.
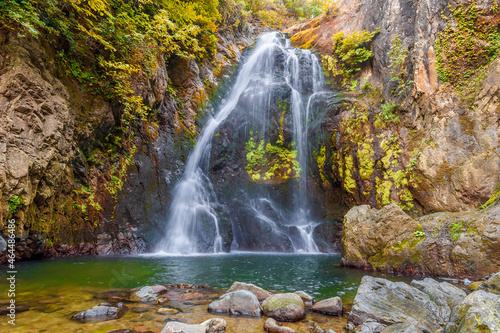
(284, 307)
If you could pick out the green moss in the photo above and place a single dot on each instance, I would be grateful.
(493, 199)
(466, 46)
(348, 54)
(366, 159)
(320, 161)
(271, 163)
(349, 182)
(14, 203)
(456, 229)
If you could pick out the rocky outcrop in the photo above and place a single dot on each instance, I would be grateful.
(479, 312)
(384, 306)
(443, 244)
(284, 307)
(240, 302)
(445, 151)
(387, 303)
(49, 128)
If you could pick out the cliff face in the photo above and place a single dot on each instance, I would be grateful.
(448, 135)
(49, 123)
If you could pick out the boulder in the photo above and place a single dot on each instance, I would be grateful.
(406, 327)
(388, 303)
(284, 307)
(103, 311)
(478, 312)
(240, 302)
(330, 306)
(306, 298)
(492, 285)
(273, 326)
(214, 325)
(445, 295)
(370, 326)
(147, 294)
(461, 244)
(260, 293)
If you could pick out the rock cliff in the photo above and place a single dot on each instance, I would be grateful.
(444, 153)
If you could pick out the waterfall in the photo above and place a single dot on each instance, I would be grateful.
(194, 208)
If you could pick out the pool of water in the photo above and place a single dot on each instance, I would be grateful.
(53, 290)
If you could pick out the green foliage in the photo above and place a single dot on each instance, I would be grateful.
(398, 70)
(270, 163)
(467, 45)
(388, 113)
(103, 43)
(14, 202)
(348, 54)
(419, 233)
(456, 229)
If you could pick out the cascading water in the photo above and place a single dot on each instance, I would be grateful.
(273, 65)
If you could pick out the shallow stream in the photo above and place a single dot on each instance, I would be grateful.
(51, 291)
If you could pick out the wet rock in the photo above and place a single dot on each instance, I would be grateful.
(306, 298)
(147, 294)
(492, 285)
(479, 312)
(167, 311)
(214, 325)
(103, 311)
(3, 245)
(240, 302)
(385, 302)
(330, 306)
(260, 293)
(273, 326)
(284, 307)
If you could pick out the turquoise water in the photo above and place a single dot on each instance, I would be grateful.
(50, 292)
(319, 275)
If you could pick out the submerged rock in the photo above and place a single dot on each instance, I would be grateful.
(240, 302)
(214, 325)
(479, 312)
(260, 293)
(167, 311)
(284, 307)
(330, 306)
(273, 326)
(103, 311)
(386, 303)
(147, 293)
